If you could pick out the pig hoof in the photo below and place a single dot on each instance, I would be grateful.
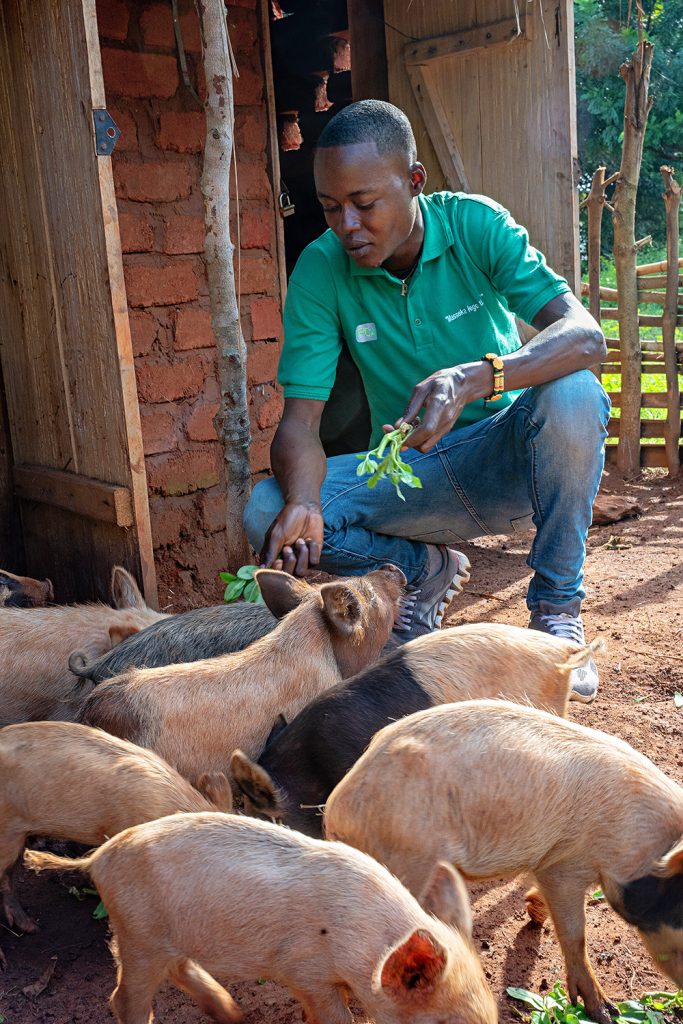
(18, 918)
(536, 907)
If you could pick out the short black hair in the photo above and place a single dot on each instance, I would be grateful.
(371, 121)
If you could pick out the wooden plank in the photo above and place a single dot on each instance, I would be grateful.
(368, 50)
(655, 268)
(454, 44)
(79, 494)
(672, 202)
(648, 428)
(439, 129)
(648, 399)
(615, 367)
(273, 145)
(644, 320)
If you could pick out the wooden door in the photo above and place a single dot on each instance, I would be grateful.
(65, 344)
(489, 88)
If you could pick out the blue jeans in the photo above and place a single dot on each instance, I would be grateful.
(538, 462)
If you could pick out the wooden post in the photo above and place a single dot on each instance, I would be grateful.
(595, 202)
(232, 419)
(636, 75)
(672, 202)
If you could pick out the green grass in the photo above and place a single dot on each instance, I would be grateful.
(651, 382)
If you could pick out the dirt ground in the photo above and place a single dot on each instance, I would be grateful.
(634, 583)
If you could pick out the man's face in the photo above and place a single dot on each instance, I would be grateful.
(370, 202)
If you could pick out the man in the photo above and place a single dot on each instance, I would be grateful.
(424, 290)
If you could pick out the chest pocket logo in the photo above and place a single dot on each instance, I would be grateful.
(366, 332)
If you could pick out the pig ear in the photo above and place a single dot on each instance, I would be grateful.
(216, 788)
(445, 896)
(125, 592)
(341, 607)
(413, 968)
(121, 631)
(280, 591)
(255, 783)
(671, 863)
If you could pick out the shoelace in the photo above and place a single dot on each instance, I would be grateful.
(404, 618)
(565, 626)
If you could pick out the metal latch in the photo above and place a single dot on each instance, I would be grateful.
(285, 203)
(106, 132)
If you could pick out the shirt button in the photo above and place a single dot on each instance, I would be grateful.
(417, 321)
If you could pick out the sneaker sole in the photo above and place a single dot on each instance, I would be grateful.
(461, 577)
(582, 698)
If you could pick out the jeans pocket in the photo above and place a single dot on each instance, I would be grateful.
(522, 523)
(440, 537)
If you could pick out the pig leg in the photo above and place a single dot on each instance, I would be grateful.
(535, 906)
(11, 846)
(140, 972)
(209, 996)
(563, 889)
(325, 1007)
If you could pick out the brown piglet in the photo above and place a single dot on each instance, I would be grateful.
(497, 789)
(24, 592)
(68, 781)
(194, 715)
(260, 900)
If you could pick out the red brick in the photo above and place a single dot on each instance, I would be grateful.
(258, 273)
(167, 382)
(184, 472)
(262, 360)
(184, 235)
(193, 329)
(136, 233)
(266, 321)
(112, 19)
(159, 430)
(157, 28)
(182, 132)
(128, 73)
(169, 523)
(268, 406)
(257, 229)
(199, 425)
(259, 450)
(243, 31)
(251, 131)
(252, 182)
(144, 331)
(129, 130)
(248, 88)
(160, 285)
(153, 182)
(214, 512)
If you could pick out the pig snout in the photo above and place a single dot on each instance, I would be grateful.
(654, 904)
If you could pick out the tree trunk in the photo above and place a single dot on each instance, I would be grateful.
(672, 201)
(232, 420)
(636, 75)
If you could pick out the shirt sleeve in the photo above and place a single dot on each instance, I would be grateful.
(501, 249)
(308, 363)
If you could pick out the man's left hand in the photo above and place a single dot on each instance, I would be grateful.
(444, 395)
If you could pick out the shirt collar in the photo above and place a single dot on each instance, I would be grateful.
(438, 237)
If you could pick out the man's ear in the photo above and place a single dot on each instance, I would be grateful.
(418, 178)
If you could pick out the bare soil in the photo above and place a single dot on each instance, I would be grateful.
(634, 583)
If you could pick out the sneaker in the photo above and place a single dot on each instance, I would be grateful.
(423, 608)
(584, 680)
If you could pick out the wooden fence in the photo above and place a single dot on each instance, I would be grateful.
(658, 283)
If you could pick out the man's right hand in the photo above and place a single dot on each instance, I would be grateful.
(294, 539)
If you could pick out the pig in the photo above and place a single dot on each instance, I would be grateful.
(194, 715)
(497, 789)
(304, 761)
(260, 900)
(68, 781)
(24, 592)
(34, 649)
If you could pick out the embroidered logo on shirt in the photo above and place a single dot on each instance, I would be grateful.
(366, 332)
(471, 307)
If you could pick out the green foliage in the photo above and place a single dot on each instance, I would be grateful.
(392, 465)
(100, 912)
(603, 43)
(241, 585)
(555, 1008)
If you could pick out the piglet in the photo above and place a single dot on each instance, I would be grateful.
(34, 649)
(68, 781)
(244, 899)
(497, 789)
(195, 714)
(24, 592)
(304, 761)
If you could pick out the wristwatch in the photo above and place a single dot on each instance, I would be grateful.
(498, 376)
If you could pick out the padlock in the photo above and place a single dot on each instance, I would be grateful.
(285, 203)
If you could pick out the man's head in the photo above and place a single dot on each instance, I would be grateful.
(368, 181)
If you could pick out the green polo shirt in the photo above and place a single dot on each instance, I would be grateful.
(476, 271)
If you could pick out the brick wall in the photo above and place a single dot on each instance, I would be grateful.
(157, 168)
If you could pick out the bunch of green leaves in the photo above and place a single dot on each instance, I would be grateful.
(555, 1008)
(385, 460)
(241, 584)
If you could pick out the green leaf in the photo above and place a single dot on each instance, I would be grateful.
(233, 591)
(678, 699)
(597, 894)
(226, 577)
(246, 572)
(252, 592)
(637, 700)
(100, 912)
(524, 996)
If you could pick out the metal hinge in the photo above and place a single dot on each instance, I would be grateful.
(106, 132)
